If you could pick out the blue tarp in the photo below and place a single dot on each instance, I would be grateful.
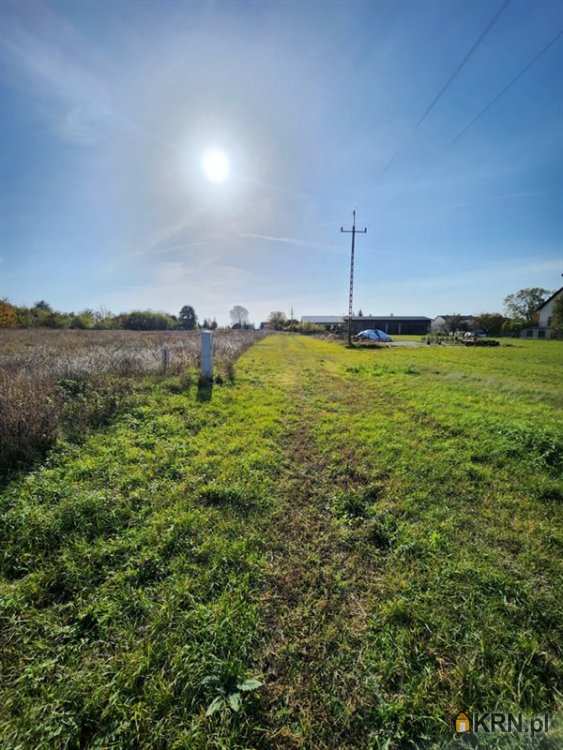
(374, 334)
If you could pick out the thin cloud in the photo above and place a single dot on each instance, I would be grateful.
(44, 50)
(175, 247)
(287, 240)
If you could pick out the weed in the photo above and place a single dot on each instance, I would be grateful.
(228, 687)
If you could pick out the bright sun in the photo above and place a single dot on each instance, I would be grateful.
(215, 165)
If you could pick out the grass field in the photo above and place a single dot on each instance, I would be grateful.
(340, 549)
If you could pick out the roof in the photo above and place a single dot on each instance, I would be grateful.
(543, 304)
(322, 319)
(342, 318)
(390, 317)
(460, 315)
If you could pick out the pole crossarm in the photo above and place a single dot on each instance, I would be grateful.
(353, 232)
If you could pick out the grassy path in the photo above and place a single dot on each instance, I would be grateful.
(314, 607)
(376, 536)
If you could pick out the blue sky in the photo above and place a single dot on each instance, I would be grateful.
(108, 107)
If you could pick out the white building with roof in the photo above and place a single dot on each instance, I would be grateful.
(544, 315)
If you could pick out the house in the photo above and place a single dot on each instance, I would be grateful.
(443, 323)
(391, 324)
(544, 316)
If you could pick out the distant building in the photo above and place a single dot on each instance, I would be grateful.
(391, 324)
(328, 322)
(442, 323)
(544, 315)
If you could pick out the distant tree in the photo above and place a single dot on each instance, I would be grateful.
(8, 315)
(83, 320)
(24, 317)
(43, 306)
(360, 313)
(557, 318)
(491, 323)
(309, 328)
(187, 318)
(56, 320)
(512, 327)
(101, 314)
(104, 319)
(523, 305)
(146, 320)
(77, 322)
(277, 319)
(40, 313)
(213, 325)
(454, 322)
(239, 316)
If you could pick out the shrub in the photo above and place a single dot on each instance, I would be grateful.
(492, 323)
(34, 411)
(8, 315)
(29, 413)
(146, 320)
(304, 328)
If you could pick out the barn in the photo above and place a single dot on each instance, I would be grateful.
(391, 324)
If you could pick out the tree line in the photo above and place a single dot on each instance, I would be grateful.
(520, 312)
(278, 321)
(43, 315)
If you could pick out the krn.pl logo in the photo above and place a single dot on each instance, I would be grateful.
(462, 723)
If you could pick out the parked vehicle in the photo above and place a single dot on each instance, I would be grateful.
(471, 335)
(373, 334)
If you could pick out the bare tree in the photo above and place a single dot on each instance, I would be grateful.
(454, 322)
(277, 319)
(239, 316)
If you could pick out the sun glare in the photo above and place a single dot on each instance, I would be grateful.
(215, 165)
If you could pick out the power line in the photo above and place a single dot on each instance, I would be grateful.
(509, 85)
(454, 75)
(463, 63)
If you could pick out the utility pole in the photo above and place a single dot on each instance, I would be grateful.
(353, 232)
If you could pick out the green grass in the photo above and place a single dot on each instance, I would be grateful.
(374, 535)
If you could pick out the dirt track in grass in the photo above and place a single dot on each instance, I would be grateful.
(314, 609)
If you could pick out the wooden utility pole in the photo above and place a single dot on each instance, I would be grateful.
(353, 232)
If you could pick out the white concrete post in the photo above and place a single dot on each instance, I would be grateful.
(206, 355)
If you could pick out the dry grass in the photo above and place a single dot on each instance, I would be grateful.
(65, 354)
(68, 381)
